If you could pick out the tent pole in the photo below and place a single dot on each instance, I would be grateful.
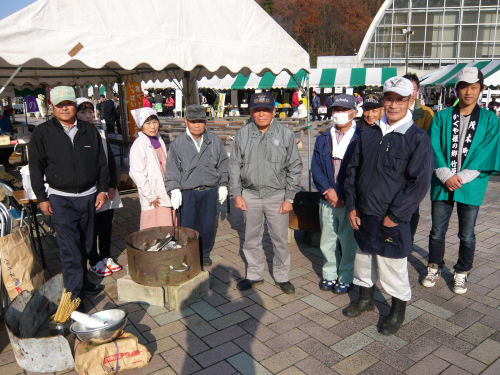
(2, 89)
(308, 136)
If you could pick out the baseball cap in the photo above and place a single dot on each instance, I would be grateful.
(196, 112)
(262, 100)
(469, 74)
(344, 100)
(61, 93)
(140, 115)
(82, 100)
(399, 85)
(372, 101)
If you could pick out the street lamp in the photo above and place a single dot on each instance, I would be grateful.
(408, 32)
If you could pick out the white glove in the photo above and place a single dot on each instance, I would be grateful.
(222, 194)
(176, 198)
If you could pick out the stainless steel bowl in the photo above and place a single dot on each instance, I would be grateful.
(116, 320)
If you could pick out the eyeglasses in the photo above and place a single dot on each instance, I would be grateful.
(395, 101)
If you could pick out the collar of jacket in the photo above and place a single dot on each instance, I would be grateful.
(206, 139)
(257, 133)
(58, 124)
(418, 111)
(402, 129)
(146, 138)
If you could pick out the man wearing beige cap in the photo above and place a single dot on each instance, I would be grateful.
(68, 155)
(387, 177)
(465, 141)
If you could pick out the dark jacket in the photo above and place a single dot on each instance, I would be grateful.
(72, 168)
(107, 110)
(188, 169)
(388, 176)
(322, 166)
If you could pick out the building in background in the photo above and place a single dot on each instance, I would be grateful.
(436, 32)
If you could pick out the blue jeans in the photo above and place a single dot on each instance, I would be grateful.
(467, 214)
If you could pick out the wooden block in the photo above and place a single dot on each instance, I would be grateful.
(130, 291)
(179, 296)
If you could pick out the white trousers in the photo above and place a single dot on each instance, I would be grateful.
(392, 273)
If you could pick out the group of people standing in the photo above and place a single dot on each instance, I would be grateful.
(372, 175)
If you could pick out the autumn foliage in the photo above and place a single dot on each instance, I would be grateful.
(324, 27)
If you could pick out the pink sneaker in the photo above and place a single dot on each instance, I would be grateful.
(112, 266)
(100, 269)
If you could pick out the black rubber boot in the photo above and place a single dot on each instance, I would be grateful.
(396, 317)
(365, 302)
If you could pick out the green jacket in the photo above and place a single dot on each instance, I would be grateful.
(483, 156)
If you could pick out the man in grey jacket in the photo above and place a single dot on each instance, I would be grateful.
(196, 177)
(264, 169)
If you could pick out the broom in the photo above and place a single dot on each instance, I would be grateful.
(66, 307)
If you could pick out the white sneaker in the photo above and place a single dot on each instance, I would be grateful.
(459, 280)
(112, 266)
(433, 275)
(100, 269)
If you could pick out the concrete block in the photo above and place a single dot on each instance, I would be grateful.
(130, 291)
(179, 296)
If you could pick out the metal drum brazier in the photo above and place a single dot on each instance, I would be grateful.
(165, 267)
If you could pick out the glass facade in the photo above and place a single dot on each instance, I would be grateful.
(435, 33)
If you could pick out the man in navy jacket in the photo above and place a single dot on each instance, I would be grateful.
(331, 153)
(387, 177)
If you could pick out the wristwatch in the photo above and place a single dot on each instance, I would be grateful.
(289, 200)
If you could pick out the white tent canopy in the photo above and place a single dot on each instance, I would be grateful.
(102, 41)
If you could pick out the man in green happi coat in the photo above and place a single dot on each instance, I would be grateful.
(465, 141)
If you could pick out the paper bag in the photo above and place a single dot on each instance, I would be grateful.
(124, 353)
(20, 267)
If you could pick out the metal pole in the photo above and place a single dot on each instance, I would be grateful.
(11, 78)
(308, 136)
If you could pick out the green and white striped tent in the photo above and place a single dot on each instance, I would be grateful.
(446, 76)
(350, 77)
(253, 81)
(319, 78)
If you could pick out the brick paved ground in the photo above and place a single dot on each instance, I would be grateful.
(264, 331)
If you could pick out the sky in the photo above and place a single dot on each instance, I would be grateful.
(7, 7)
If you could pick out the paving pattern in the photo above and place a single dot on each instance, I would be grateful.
(263, 331)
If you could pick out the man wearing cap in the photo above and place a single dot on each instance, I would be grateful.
(372, 111)
(465, 141)
(197, 176)
(68, 154)
(331, 153)
(387, 177)
(264, 170)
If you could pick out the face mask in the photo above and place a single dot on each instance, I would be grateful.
(341, 118)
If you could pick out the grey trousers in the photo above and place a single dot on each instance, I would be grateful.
(259, 209)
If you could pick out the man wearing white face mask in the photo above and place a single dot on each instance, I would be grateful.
(331, 152)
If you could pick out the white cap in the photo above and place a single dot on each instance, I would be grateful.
(469, 74)
(82, 100)
(399, 85)
(141, 114)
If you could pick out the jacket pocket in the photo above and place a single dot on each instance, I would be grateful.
(392, 240)
(277, 154)
(393, 160)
